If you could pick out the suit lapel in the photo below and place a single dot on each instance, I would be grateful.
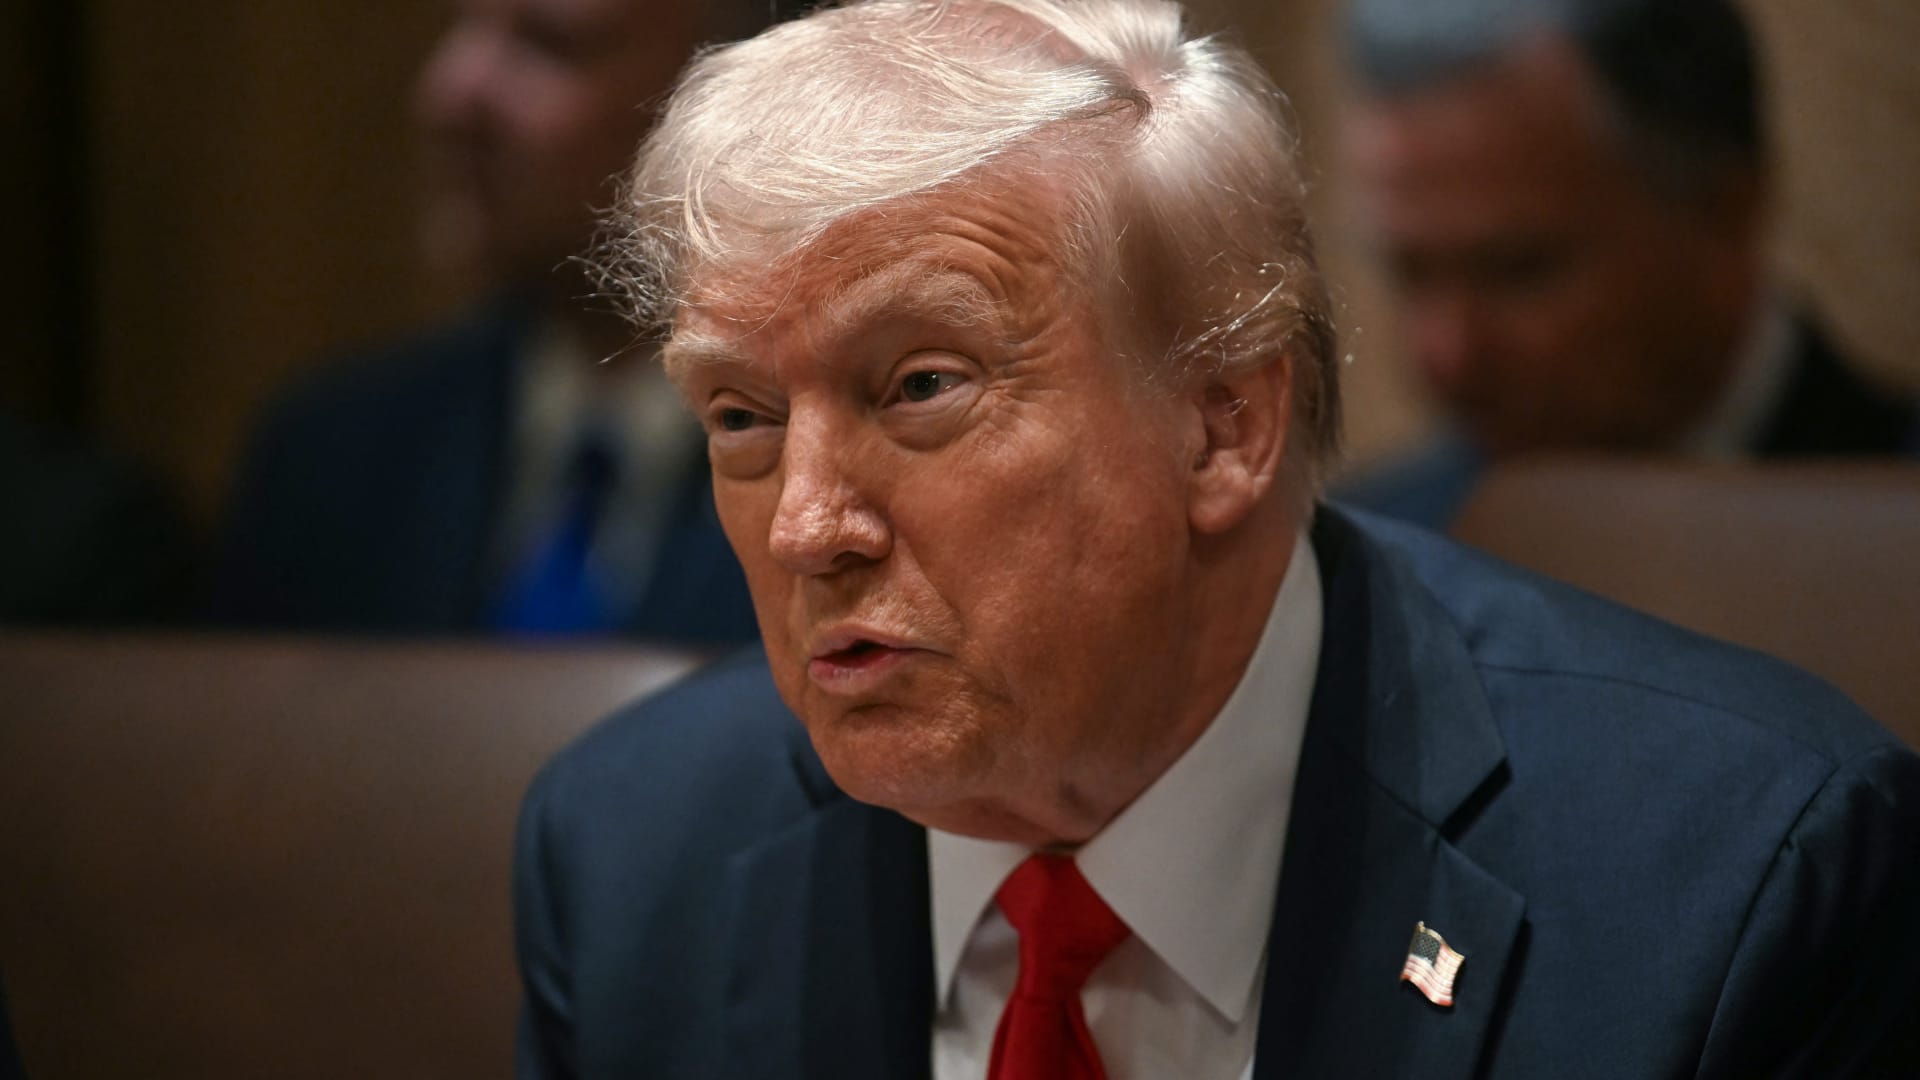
(1400, 744)
(454, 514)
(697, 592)
(832, 915)
(1827, 409)
(832, 975)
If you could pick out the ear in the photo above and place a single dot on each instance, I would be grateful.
(1244, 417)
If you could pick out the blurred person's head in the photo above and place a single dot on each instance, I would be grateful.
(1568, 197)
(531, 109)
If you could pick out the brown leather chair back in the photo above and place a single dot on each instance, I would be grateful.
(233, 858)
(1818, 563)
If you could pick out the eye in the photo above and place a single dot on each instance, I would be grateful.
(926, 385)
(556, 40)
(736, 419)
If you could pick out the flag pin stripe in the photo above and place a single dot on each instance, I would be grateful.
(1431, 966)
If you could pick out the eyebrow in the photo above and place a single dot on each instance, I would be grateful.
(940, 295)
(943, 296)
(685, 351)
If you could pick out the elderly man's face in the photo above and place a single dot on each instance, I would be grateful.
(962, 517)
(1550, 297)
(530, 108)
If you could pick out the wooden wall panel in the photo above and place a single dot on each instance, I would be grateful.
(43, 347)
(1848, 123)
(253, 207)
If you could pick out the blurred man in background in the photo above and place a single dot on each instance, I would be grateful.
(522, 469)
(1570, 198)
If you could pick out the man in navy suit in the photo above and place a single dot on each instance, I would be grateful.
(1570, 201)
(523, 468)
(1083, 742)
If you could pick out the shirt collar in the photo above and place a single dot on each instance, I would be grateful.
(626, 399)
(1762, 369)
(1193, 864)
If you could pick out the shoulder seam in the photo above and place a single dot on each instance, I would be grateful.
(1666, 692)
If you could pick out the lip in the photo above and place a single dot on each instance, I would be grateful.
(850, 658)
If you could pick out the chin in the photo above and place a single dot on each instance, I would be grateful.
(898, 758)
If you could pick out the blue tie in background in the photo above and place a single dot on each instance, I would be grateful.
(553, 590)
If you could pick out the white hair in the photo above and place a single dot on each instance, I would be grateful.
(1188, 202)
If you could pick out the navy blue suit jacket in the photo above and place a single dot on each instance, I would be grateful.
(368, 501)
(1661, 856)
(1826, 411)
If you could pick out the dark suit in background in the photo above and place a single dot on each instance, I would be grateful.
(86, 540)
(1661, 856)
(369, 502)
(1825, 410)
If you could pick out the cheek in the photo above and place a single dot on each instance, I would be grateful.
(745, 508)
(524, 102)
(1052, 553)
(743, 515)
(1549, 339)
(1604, 299)
(554, 126)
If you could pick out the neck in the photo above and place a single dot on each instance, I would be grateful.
(1239, 575)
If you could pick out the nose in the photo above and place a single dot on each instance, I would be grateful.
(452, 86)
(826, 520)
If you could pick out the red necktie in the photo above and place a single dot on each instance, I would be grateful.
(1065, 931)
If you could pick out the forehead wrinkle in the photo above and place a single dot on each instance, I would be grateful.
(936, 294)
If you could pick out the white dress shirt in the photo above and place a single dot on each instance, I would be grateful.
(1191, 866)
(563, 393)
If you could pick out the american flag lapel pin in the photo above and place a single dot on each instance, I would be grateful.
(1431, 966)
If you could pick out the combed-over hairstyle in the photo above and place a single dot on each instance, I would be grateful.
(1188, 203)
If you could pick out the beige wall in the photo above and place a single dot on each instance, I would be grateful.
(1848, 118)
(252, 199)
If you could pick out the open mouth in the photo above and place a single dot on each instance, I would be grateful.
(859, 664)
(857, 654)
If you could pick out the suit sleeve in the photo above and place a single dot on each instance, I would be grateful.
(1825, 981)
(544, 1042)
